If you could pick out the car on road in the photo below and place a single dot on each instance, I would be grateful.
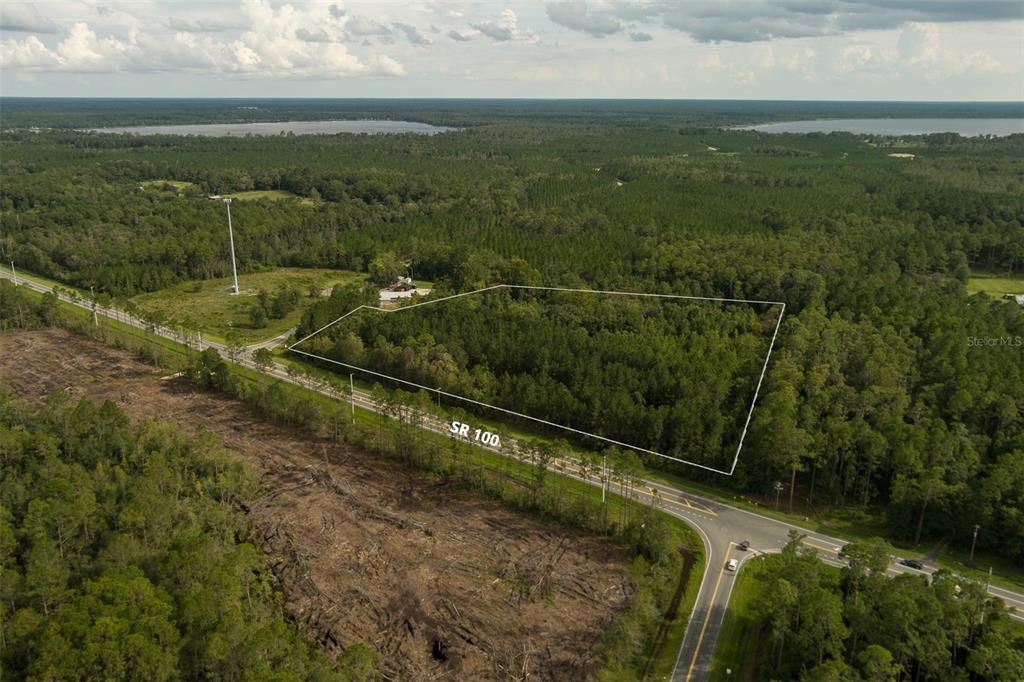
(732, 565)
(913, 563)
(744, 546)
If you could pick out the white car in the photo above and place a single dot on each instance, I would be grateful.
(732, 565)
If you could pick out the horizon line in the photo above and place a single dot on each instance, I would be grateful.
(511, 99)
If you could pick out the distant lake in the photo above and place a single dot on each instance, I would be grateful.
(297, 127)
(968, 127)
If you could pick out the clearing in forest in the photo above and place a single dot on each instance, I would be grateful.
(673, 377)
(442, 584)
(209, 306)
(995, 284)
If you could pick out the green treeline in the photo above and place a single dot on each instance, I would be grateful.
(815, 623)
(668, 375)
(122, 556)
(20, 310)
(26, 112)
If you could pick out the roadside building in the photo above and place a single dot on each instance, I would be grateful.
(403, 287)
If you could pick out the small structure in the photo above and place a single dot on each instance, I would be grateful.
(1019, 298)
(901, 155)
(403, 287)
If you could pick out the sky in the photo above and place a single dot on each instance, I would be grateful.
(948, 50)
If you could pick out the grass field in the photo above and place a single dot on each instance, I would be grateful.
(271, 194)
(736, 641)
(207, 305)
(995, 284)
(662, 662)
(178, 187)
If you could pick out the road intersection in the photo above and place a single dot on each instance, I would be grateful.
(721, 526)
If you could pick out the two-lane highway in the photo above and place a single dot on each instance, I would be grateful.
(720, 526)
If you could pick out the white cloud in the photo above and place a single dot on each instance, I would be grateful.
(29, 53)
(386, 66)
(919, 52)
(412, 34)
(279, 42)
(505, 29)
(82, 50)
(706, 48)
(21, 16)
(575, 14)
(919, 43)
(203, 24)
(364, 26)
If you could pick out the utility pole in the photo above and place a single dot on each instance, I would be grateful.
(974, 540)
(14, 274)
(604, 478)
(352, 394)
(92, 295)
(231, 242)
(778, 493)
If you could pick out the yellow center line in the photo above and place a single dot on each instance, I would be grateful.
(700, 637)
(833, 550)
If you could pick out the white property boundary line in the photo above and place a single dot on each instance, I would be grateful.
(746, 424)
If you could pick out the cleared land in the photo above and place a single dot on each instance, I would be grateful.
(182, 187)
(169, 185)
(995, 284)
(443, 585)
(208, 305)
(270, 194)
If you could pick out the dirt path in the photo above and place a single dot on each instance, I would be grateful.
(444, 586)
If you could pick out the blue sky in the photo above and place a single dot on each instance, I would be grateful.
(745, 49)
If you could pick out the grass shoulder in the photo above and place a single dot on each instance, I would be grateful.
(734, 657)
(996, 284)
(209, 305)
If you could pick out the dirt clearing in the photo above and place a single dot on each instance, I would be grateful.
(444, 586)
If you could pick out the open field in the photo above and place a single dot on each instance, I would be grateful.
(168, 185)
(270, 194)
(995, 284)
(369, 551)
(180, 187)
(208, 305)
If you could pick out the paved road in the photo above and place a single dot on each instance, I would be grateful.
(270, 344)
(720, 526)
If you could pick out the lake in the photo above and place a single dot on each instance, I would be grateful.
(367, 126)
(968, 127)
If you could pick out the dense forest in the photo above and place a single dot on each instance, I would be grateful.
(669, 375)
(105, 531)
(816, 623)
(892, 387)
